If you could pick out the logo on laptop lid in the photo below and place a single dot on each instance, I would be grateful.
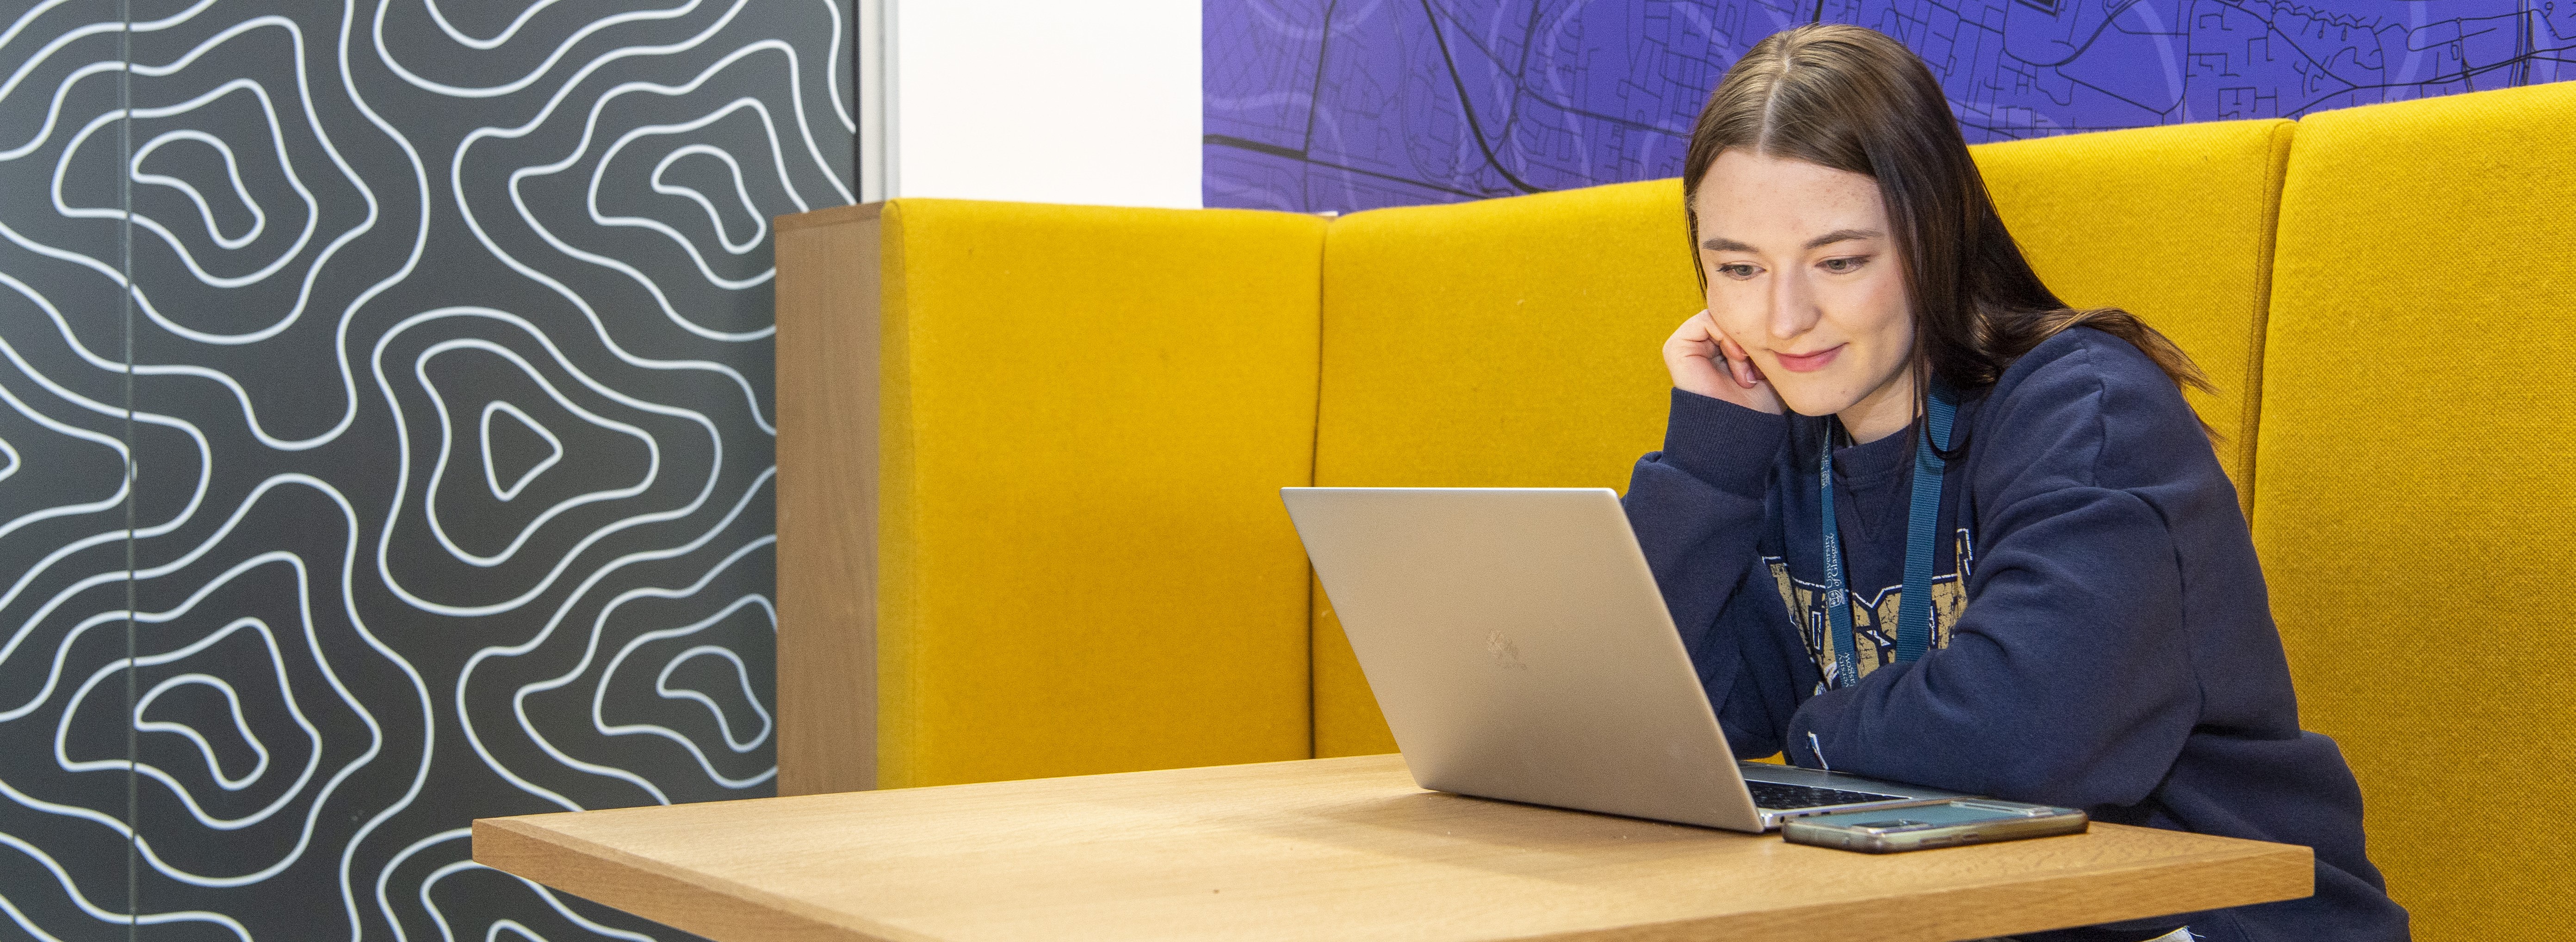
(1503, 651)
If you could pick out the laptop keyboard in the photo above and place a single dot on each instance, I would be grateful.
(1779, 797)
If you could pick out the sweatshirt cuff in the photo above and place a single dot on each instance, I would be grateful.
(1724, 444)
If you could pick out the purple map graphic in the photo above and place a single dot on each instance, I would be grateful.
(1342, 105)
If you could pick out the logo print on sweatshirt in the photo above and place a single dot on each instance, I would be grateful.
(1873, 615)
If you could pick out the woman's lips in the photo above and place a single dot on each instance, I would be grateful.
(1810, 362)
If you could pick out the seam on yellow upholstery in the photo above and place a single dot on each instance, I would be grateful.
(2249, 426)
(1315, 584)
(898, 716)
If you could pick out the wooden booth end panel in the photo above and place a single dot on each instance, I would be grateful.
(830, 294)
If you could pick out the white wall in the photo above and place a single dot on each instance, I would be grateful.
(868, 70)
(1059, 101)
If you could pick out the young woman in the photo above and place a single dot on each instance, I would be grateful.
(2067, 608)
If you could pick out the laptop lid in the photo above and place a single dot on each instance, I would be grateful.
(1519, 648)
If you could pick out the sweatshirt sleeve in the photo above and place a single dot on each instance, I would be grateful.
(2068, 677)
(1699, 510)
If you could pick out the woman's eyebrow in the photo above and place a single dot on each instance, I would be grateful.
(1724, 244)
(1842, 235)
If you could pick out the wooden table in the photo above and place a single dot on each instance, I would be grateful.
(1326, 849)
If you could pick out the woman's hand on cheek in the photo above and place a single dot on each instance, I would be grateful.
(1704, 360)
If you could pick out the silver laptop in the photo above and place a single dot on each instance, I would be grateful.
(1520, 650)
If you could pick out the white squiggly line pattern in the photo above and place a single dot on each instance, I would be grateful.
(385, 442)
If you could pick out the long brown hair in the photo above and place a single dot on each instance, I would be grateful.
(1852, 99)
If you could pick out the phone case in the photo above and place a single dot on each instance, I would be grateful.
(1923, 827)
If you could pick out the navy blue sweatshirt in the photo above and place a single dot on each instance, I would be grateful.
(2112, 648)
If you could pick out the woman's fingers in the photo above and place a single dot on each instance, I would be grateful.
(1700, 330)
(1697, 339)
(1693, 356)
(1739, 364)
(1704, 360)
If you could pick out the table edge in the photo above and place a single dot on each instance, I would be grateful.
(2285, 871)
(686, 899)
(664, 893)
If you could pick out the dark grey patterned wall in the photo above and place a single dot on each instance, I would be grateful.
(445, 377)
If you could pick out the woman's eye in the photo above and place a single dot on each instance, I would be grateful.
(1736, 270)
(1842, 265)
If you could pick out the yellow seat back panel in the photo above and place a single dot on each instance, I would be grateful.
(2173, 224)
(2413, 509)
(1504, 343)
(1088, 413)
(1517, 342)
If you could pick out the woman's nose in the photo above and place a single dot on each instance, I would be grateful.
(1793, 308)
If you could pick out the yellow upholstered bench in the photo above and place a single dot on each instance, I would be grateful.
(1515, 342)
(2414, 507)
(1029, 471)
(1028, 454)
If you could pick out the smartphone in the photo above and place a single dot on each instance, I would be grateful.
(1922, 827)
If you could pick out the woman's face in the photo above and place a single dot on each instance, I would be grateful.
(1803, 274)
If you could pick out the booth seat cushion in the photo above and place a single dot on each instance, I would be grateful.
(1087, 415)
(2413, 509)
(1515, 342)
(2173, 224)
(1501, 343)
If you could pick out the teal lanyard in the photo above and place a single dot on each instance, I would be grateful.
(1923, 513)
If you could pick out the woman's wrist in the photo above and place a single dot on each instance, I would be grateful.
(1728, 445)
